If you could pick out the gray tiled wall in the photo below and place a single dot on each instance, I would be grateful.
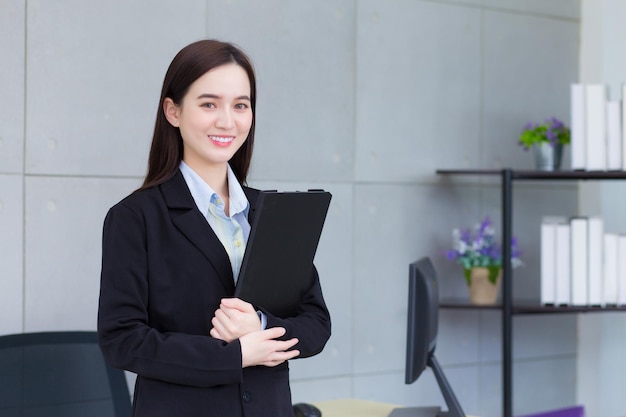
(12, 36)
(364, 98)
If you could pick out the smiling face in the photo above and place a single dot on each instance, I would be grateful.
(214, 117)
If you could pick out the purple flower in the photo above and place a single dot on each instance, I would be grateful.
(551, 131)
(466, 236)
(495, 252)
(515, 250)
(477, 247)
(556, 123)
(484, 226)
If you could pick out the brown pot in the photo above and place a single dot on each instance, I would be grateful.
(481, 290)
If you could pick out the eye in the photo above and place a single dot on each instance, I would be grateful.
(241, 106)
(208, 105)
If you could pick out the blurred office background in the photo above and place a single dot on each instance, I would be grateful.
(364, 98)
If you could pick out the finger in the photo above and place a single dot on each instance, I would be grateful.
(274, 332)
(280, 357)
(234, 314)
(214, 333)
(271, 364)
(290, 354)
(219, 326)
(238, 304)
(224, 313)
(287, 344)
(218, 319)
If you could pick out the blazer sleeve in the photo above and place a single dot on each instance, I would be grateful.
(312, 325)
(126, 336)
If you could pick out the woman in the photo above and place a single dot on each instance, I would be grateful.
(172, 252)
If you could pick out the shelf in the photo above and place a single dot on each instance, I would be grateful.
(508, 307)
(532, 308)
(540, 175)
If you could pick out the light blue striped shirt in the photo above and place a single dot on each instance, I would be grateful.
(233, 229)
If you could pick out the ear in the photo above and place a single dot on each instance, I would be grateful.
(171, 111)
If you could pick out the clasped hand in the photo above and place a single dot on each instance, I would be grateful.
(237, 319)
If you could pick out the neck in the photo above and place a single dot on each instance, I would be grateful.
(216, 176)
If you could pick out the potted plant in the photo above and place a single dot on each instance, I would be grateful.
(477, 251)
(547, 140)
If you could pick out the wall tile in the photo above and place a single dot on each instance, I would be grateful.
(418, 89)
(453, 202)
(490, 395)
(567, 9)
(305, 69)
(12, 36)
(64, 218)
(600, 364)
(538, 385)
(94, 81)
(558, 336)
(11, 254)
(458, 337)
(390, 388)
(613, 201)
(401, 218)
(558, 385)
(547, 51)
(559, 9)
(321, 389)
(490, 345)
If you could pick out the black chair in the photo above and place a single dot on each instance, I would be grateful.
(59, 374)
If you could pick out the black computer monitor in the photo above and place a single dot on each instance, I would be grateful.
(421, 339)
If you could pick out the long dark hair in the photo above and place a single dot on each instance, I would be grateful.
(188, 65)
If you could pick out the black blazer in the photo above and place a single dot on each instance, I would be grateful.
(164, 272)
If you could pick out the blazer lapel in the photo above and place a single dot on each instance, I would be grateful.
(252, 195)
(191, 223)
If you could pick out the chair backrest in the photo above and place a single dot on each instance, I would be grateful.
(54, 374)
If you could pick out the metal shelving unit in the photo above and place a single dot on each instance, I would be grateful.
(508, 310)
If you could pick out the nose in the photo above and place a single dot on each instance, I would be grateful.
(225, 119)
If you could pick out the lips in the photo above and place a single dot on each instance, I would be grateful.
(222, 140)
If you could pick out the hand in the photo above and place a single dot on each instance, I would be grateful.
(261, 348)
(234, 318)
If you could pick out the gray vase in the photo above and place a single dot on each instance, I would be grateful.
(548, 156)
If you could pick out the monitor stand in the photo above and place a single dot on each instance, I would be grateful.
(416, 412)
(454, 408)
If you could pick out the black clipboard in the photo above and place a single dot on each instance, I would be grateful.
(278, 261)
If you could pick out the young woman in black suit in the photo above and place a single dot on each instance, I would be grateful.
(172, 251)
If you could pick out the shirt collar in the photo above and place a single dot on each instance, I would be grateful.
(202, 193)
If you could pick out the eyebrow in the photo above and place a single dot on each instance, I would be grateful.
(214, 96)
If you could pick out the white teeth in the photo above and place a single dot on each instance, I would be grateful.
(221, 139)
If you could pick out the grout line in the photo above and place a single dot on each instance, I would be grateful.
(431, 180)
(84, 176)
(426, 183)
(458, 365)
(505, 10)
(481, 103)
(24, 126)
(206, 20)
(483, 185)
(353, 187)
